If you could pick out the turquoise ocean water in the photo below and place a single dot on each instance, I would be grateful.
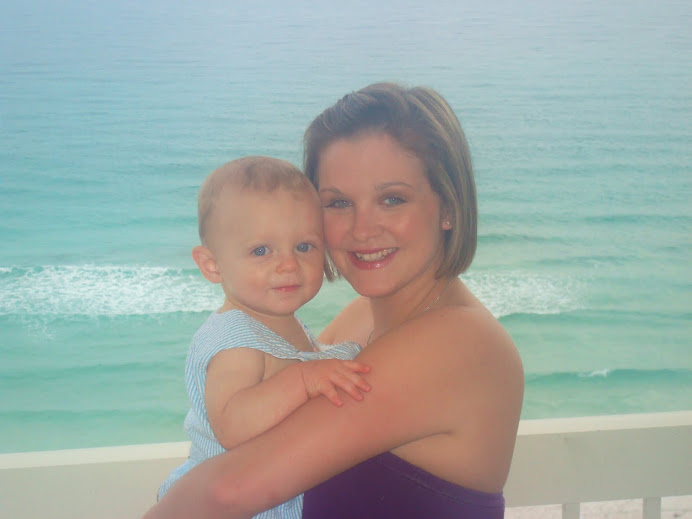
(579, 115)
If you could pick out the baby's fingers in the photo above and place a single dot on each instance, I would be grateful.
(356, 379)
(351, 383)
(355, 366)
(332, 395)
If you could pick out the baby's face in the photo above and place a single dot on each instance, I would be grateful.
(269, 249)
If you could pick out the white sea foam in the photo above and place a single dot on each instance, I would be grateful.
(142, 290)
(596, 373)
(104, 290)
(519, 292)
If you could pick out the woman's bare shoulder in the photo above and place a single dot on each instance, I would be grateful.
(459, 325)
(481, 344)
(464, 346)
(353, 323)
(477, 329)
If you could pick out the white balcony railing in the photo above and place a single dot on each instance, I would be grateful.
(558, 461)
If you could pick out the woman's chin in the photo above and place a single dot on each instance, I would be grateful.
(369, 288)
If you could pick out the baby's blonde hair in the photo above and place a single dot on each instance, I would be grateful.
(256, 173)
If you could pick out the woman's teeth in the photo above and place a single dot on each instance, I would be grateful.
(374, 256)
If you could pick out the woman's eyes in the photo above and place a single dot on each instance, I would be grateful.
(260, 251)
(393, 200)
(337, 204)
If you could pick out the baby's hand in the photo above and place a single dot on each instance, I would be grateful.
(322, 377)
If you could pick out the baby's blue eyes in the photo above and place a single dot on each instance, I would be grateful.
(263, 250)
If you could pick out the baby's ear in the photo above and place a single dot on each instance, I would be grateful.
(206, 263)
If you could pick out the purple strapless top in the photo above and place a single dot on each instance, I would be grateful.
(387, 486)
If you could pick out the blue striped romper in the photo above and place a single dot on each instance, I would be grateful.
(234, 329)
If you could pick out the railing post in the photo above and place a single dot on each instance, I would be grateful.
(570, 511)
(652, 508)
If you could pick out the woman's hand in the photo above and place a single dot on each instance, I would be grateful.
(323, 377)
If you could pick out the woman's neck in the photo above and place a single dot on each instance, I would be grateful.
(393, 310)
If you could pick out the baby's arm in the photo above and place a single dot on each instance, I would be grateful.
(241, 404)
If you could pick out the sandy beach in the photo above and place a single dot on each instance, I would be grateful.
(671, 508)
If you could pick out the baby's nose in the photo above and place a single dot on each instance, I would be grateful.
(287, 263)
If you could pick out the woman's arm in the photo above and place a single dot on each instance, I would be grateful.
(419, 380)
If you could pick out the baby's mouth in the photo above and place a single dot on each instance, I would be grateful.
(374, 256)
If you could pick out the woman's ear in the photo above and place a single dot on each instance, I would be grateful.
(206, 263)
(446, 220)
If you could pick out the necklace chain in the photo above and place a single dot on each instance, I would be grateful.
(413, 313)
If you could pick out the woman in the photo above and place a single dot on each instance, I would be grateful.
(434, 437)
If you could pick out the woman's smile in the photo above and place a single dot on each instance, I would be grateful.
(374, 256)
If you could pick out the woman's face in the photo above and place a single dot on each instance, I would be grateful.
(382, 220)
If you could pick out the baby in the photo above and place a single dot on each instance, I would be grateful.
(260, 225)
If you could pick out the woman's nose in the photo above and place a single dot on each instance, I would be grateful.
(365, 224)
